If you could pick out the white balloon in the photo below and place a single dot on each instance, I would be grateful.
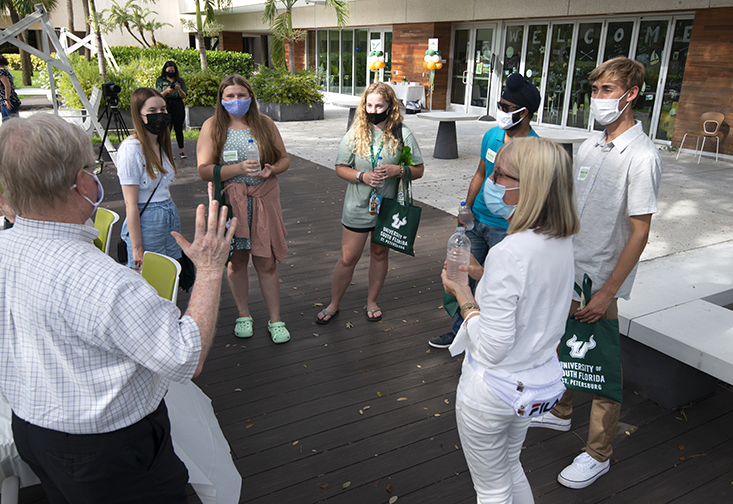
(435, 58)
(428, 59)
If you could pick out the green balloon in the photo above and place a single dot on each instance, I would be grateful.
(430, 52)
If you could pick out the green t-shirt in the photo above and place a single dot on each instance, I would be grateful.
(356, 202)
(161, 84)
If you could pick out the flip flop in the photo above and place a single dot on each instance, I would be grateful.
(372, 310)
(243, 327)
(278, 332)
(325, 313)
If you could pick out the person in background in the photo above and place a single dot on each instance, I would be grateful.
(173, 88)
(146, 169)
(251, 187)
(514, 324)
(10, 104)
(617, 176)
(89, 348)
(518, 104)
(377, 131)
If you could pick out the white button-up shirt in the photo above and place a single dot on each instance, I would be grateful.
(613, 181)
(87, 344)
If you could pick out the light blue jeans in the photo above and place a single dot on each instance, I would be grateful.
(156, 224)
(482, 238)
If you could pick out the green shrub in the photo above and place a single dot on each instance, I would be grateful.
(14, 62)
(203, 88)
(280, 86)
(220, 62)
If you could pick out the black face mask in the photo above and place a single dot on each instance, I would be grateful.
(375, 118)
(171, 74)
(157, 123)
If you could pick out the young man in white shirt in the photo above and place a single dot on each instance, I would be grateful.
(617, 174)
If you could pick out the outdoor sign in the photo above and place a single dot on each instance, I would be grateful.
(433, 44)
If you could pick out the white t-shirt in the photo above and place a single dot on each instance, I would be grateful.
(131, 171)
(524, 298)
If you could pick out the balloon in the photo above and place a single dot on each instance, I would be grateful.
(380, 64)
(430, 65)
(438, 65)
(425, 65)
(435, 58)
(371, 65)
(430, 52)
(427, 58)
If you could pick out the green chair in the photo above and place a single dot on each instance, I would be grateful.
(104, 221)
(162, 273)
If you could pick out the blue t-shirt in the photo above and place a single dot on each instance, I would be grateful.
(490, 145)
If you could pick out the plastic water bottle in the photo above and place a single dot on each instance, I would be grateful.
(377, 170)
(253, 153)
(459, 252)
(464, 212)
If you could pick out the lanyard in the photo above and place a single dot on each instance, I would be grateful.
(375, 158)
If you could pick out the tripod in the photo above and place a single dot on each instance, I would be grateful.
(112, 111)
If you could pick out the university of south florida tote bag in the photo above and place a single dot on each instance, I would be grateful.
(397, 222)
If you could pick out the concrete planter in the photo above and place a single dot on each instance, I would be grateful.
(297, 112)
(195, 116)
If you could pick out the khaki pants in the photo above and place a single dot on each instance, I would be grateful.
(603, 413)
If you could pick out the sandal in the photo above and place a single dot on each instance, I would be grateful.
(372, 310)
(278, 332)
(243, 327)
(325, 313)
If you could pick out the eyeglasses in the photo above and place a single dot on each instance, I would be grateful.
(500, 174)
(506, 107)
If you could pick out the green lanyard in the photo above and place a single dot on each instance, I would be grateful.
(375, 158)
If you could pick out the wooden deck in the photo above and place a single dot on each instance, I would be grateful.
(358, 412)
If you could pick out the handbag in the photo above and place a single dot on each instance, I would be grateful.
(590, 354)
(397, 223)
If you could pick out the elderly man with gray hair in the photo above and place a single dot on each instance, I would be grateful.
(88, 347)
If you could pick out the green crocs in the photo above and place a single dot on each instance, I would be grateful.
(243, 327)
(278, 332)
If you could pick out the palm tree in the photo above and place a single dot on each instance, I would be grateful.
(205, 23)
(118, 16)
(19, 9)
(96, 22)
(153, 25)
(282, 27)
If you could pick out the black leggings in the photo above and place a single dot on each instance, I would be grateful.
(178, 114)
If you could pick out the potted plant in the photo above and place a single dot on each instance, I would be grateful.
(288, 97)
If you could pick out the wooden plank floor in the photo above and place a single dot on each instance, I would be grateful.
(358, 412)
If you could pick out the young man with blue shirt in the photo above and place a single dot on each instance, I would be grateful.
(517, 106)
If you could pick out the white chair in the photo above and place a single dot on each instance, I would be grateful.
(162, 273)
(81, 116)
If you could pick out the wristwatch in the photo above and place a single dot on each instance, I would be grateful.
(469, 306)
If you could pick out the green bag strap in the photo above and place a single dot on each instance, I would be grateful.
(584, 293)
(408, 185)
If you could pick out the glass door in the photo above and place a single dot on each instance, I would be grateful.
(471, 72)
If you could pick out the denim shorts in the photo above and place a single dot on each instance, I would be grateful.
(156, 224)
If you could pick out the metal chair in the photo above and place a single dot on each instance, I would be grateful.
(162, 273)
(103, 221)
(709, 126)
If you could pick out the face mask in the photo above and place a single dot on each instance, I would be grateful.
(100, 191)
(171, 74)
(157, 123)
(605, 110)
(494, 199)
(237, 107)
(375, 118)
(506, 119)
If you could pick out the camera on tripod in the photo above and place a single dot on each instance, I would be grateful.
(111, 91)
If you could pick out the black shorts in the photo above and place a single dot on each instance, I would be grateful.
(358, 230)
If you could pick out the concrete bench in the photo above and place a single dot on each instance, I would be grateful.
(446, 143)
(677, 337)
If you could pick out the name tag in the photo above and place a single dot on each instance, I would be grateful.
(583, 173)
(230, 156)
(490, 156)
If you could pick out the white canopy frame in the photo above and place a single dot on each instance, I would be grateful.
(88, 42)
(61, 61)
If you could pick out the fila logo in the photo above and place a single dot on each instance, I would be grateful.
(542, 408)
(580, 348)
(397, 222)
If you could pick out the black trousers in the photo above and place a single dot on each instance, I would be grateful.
(131, 465)
(177, 110)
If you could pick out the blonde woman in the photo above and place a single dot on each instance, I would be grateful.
(377, 132)
(514, 324)
(146, 169)
(251, 187)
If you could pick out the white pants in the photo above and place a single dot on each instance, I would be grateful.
(492, 442)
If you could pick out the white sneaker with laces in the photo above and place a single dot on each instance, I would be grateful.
(583, 471)
(550, 421)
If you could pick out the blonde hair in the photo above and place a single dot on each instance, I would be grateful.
(137, 102)
(40, 157)
(361, 130)
(258, 125)
(546, 198)
(627, 72)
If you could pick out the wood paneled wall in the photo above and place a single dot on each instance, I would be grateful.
(708, 81)
(409, 43)
(231, 41)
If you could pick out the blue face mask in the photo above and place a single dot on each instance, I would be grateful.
(494, 199)
(237, 107)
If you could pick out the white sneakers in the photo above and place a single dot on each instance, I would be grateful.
(550, 421)
(583, 471)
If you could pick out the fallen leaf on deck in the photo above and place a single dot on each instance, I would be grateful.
(324, 485)
(379, 394)
(237, 390)
(437, 414)
(389, 488)
(346, 485)
(393, 499)
(316, 334)
(349, 325)
(248, 426)
(402, 398)
(295, 442)
(446, 401)
(366, 407)
(316, 305)
(681, 447)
